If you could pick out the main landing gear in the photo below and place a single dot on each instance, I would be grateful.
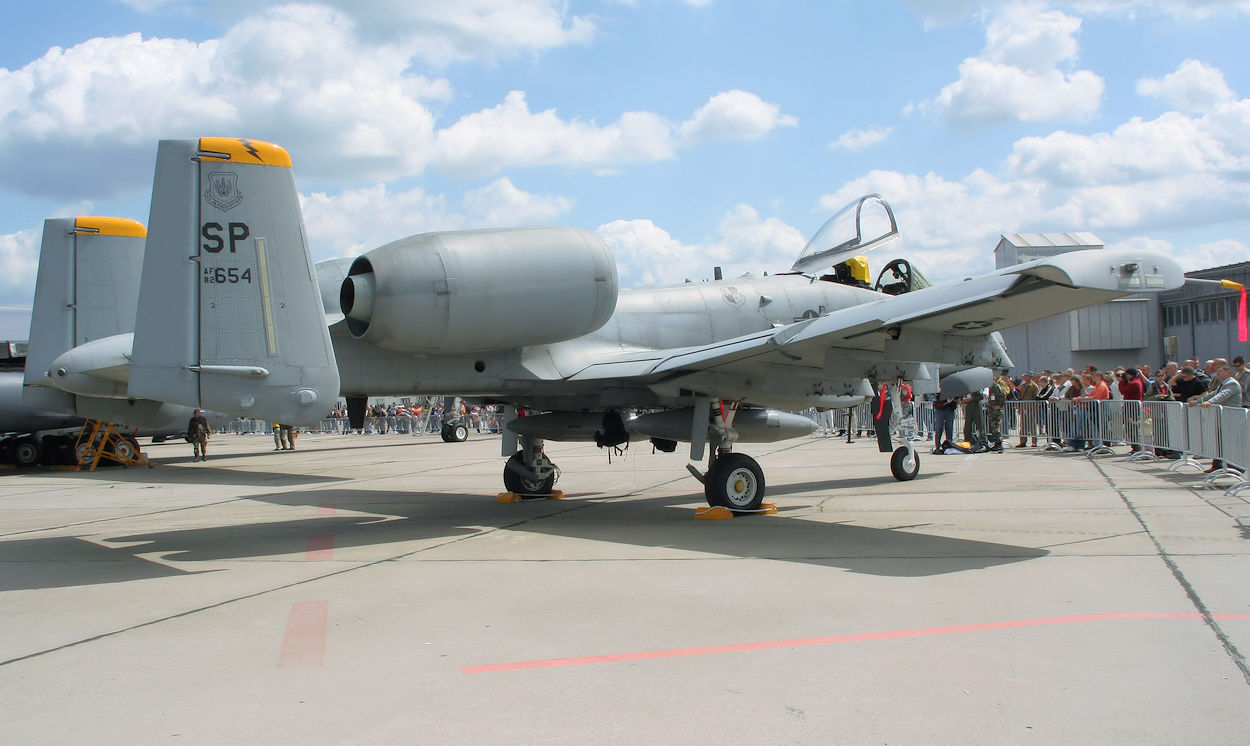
(528, 473)
(734, 481)
(454, 432)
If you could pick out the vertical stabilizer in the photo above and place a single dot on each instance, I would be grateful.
(86, 289)
(230, 316)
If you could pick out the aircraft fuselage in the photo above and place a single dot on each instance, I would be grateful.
(686, 315)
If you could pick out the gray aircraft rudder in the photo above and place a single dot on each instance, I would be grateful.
(230, 315)
(86, 289)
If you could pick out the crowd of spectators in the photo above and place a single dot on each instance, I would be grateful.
(1215, 382)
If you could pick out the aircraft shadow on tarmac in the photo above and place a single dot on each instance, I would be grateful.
(216, 472)
(66, 561)
(375, 519)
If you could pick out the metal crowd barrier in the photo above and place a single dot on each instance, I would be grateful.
(1150, 430)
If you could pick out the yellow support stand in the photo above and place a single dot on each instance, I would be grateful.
(512, 497)
(721, 513)
(100, 439)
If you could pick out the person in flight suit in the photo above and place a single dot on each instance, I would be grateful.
(197, 435)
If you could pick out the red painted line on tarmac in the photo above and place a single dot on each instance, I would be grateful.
(834, 640)
(304, 644)
(320, 548)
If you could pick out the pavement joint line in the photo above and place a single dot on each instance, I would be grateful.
(1191, 593)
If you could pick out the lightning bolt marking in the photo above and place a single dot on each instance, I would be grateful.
(247, 144)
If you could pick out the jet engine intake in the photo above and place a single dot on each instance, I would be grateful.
(462, 291)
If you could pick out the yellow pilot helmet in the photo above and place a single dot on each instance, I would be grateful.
(859, 268)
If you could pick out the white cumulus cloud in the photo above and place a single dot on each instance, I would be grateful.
(1018, 75)
(510, 134)
(1192, 87)
(437, 31)
(500, 204)
(858, 139)
(744, 243)
(734, 115)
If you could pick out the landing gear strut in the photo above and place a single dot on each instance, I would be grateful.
(528, 472)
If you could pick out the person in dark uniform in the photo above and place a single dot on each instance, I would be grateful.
(198, 435)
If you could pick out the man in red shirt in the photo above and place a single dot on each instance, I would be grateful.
(1133, 389)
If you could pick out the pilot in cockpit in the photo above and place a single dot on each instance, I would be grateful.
(853, 271)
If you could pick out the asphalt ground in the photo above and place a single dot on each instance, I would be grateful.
(369, 589)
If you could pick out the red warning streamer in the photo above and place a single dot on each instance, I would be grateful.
(1241, 318)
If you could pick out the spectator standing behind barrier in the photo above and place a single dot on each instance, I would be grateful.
(198, 434)
(1133, 389)
(1158, 390)
(1242, 373)
(1030, 391)
(1188, 385)
(1227, 393)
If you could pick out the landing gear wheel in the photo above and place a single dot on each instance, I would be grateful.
(735, 481)
(518, 485)
(905, 464)
(454, 433)
(125, 448)
(26, 453)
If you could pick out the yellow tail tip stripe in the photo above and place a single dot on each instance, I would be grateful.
(102, 226)
(1232, 285)
(243, 150)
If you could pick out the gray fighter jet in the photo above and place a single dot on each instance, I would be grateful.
(233, 316)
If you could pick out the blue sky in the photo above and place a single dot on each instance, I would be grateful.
(686, 134)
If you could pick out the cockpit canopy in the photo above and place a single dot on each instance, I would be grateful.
(865, 224)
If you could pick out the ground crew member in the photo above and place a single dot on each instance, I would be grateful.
(198, 434)
(283, 437)
(999, 391)
(974, 426)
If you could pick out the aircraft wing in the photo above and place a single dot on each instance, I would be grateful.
(921, 326)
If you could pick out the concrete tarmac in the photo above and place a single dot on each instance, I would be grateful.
(368, 589)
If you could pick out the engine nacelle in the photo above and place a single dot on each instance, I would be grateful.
(462, 291)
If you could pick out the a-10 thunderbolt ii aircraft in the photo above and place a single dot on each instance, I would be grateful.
(231, 319)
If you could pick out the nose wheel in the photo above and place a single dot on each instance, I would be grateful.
(905, 464)
(735, 481)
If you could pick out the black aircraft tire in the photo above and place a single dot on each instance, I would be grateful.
(125, 448)
(455, 433)
(904, 469)
(735, 481)
(518, 485)
(26, 453)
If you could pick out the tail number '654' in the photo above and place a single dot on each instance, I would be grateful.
(227, 275)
